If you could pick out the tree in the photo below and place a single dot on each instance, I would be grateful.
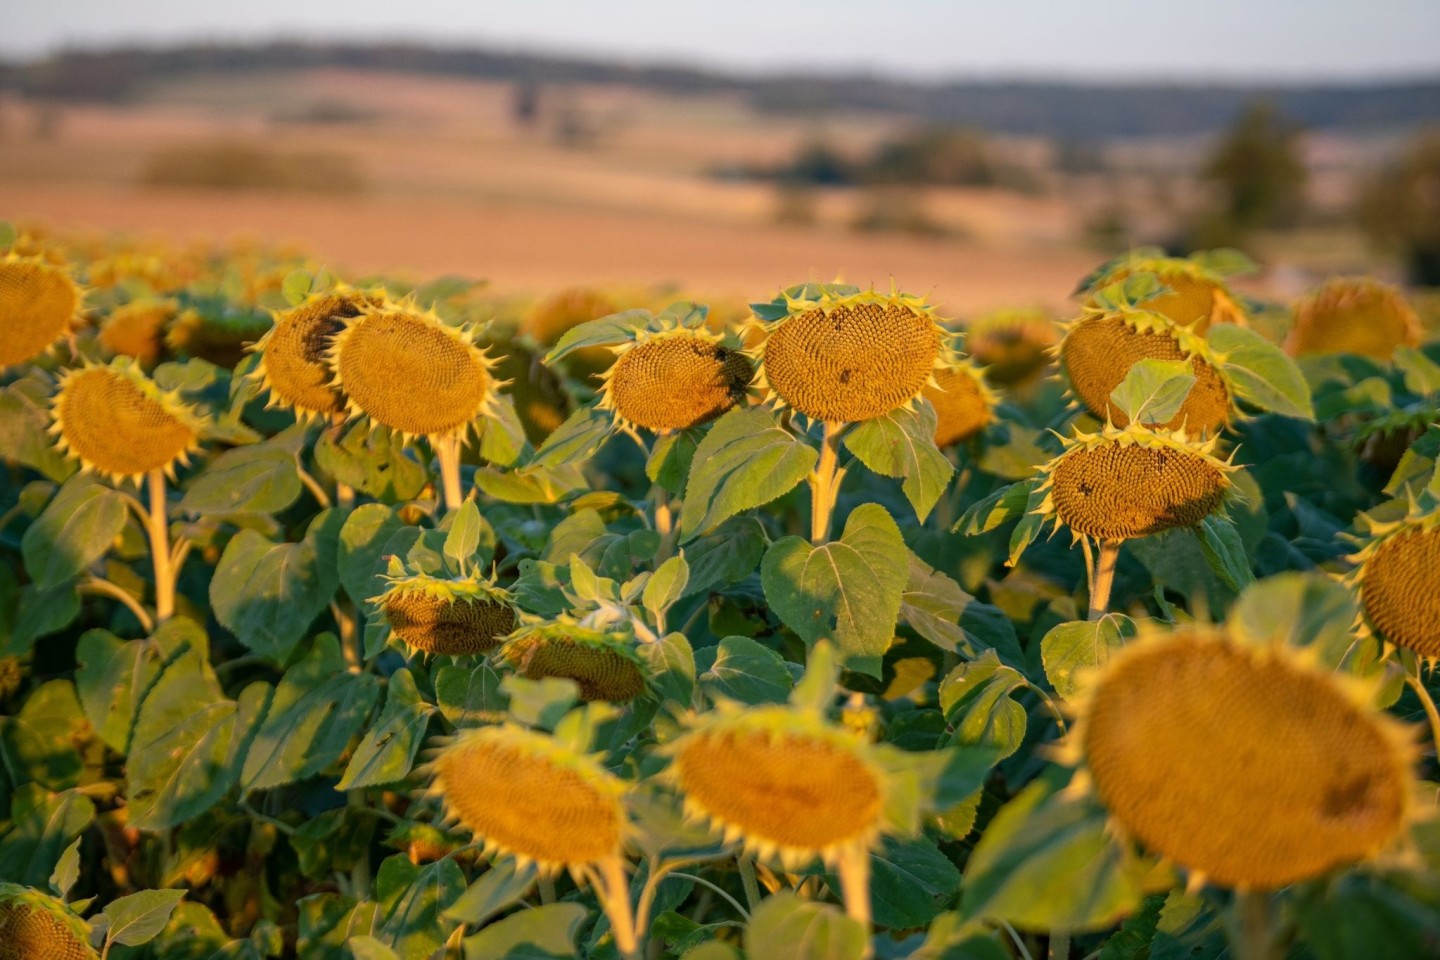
(1402, 208)
(1258, 171)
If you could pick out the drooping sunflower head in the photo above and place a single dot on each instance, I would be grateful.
(292, 352)
(675, 377)
(527, 795)
(117, 422)
(781, 781)
(1014, 346)
(964, 403)
(1102, 345)
(1397, 577)
(137, 329)
(1120, 484)
(549, 319)
(842, 355)
(455, 617)
(408, 370)
(1353, 315)
(34, 926)
(1252, 767)
(603, 664)
(39, 303)
(1195, 293)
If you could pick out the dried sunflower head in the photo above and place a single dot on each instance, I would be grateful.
(1397, 577)
(1353, 315)
(841, 355)
(443, 616)
(408, 370)
(1121, 484)
(1014, 346)
(1102, 345)
(137, 329)
(292, 353)
(117, 422)
(603, 664)
(964, 403)
(39, 303)
(1196, 294)
(34, 926)
(675, 377)
(1252, 767)
(529, 796)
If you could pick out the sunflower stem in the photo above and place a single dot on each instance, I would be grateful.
(855, 886)
(664, 524)
(313, 485)
(824, 483)
(615, 898)
(1059, 946)
(1255, 940)
(157, 526)
(1428, 703)
(104, 588)
(1104, 578)
(447, 451)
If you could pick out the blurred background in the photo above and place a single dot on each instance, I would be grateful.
(988, 157)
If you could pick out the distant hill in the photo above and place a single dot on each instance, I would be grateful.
(1073, 111)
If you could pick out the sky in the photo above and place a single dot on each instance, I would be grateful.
(1283, 40)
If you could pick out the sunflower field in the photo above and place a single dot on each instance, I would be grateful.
(366, 619)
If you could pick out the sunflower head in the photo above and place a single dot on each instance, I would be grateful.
(1106, 341)
(675, 377)
(1397, 577)
(39, 304)
(964, 403)
(219, 333)
(453, 617)
(292, 353)
(1353, 315)
(842, 355)
(1014, 346)
(1195, 293)
(1119, 484)
(549, 319)
(1252, 767)
(603, 664)
(527, 795)
(118, 423)
(137, 329)
(406, 369)
(34, 926)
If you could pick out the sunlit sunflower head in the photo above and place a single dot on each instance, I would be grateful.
(1195, 295)
(1252, 767)
(839, 354)
(1013, 346)
(137, 329)
(39, 304)
(292, 353)
(118, 423)
(527, 795)
(603, 664)
(964, 403)
(454, 617)
(1119, 484)
(675, 377)
(34, 926)
(1397, 576)
(406, 369)
(1353, 315)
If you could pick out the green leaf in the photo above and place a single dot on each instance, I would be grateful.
(670, 662)
(671, 457)
(1079, 645)
(1001, 507)
(1047, 862)
(540, 703)
(616, 328)
(935, 607)
(745, 461)
(1260, 373)
(499, 887)
(41, 742)
(1361, 916)
(413, 901)
(1298, 610)
(911, 882)
(502, 434)
(749, 672)
(136, 919)
(902, 444)
(848, 590)
(77, 528)
(1422, 375)
(258, 479)
(363, 539)
(784, 927)
(532, 484)
(727, 555)
(463, 539)
(368, 948)
(577, 439)
(1030, 526)
(67, 870)
(977, 703)
(666, 585)
(470, 696)
(1153, 391)
(387, 752)
(267, 594)
(42, 825)
(296, 286)
(24, 426)
(1225, 552)
(374, 462)
(41, 613)
(544, 933)
(319, 706)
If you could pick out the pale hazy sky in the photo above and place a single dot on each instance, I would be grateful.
(1227, 39)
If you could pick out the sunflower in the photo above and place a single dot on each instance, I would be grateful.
(118, 423)
(292, 353)
(603, 664)
(1353, 315)
(454, 617)
(39, 303)
(34, 926)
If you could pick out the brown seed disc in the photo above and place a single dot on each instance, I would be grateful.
(30, 932)
(294, 357)
(1400, 590)
(961, 409)
(528, 804)
(452, 627)
(37, 302)
(1253, 771)
(1115, 491)
(601, 673)
(782, 788)
(678, 381)
(1099, 352)
(411, 376)
(851, 363)
(113, 427)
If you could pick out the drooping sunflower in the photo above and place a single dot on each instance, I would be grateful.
(1353, 315)
(34, 926)
(39, 303)
(841, 355)
(1397, 577)
(1252, 767)
(118, 423)
(603, 663)
(439, 615)
(1196, 293)
(1013, 346)
(137, 329)
(292, 353)
(964, 403)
